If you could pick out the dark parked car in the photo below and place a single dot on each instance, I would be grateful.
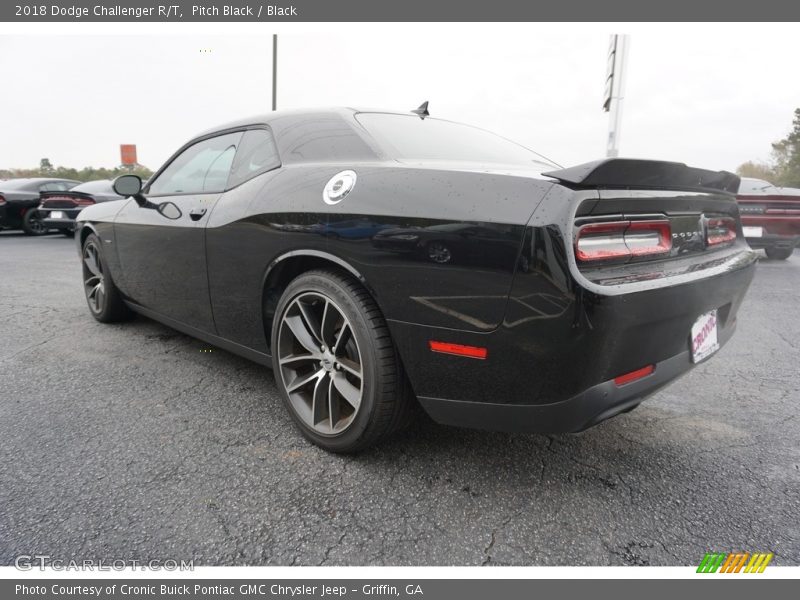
(770, 217)
(19, 199)
(59, 209)
(351, 229)
(625, 273)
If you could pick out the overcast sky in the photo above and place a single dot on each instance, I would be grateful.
(696, 95)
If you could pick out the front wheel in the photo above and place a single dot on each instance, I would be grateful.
(32, 223)
(779, 253)
(102, 296)
(335, 364)
(439, 252)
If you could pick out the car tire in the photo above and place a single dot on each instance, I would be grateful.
(335, 364)
(778, 253)
(102, 296)
(32, 223)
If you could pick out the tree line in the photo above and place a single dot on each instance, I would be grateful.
(783, 168)
(46, 169)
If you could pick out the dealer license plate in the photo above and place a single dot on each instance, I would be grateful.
(56, 214)
(751, 232)
(704, 336)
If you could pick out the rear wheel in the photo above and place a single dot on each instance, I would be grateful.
(439, 252)
(32, 223)
(335, 364)
(779, 253)
(102, 296)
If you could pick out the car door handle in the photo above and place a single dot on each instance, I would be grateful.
(197, 213)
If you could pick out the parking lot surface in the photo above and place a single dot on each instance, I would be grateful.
(133, 441)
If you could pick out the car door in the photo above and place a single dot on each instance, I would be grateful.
(237, 246)
(163, 260)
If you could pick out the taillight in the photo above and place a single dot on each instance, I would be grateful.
(623, 239)
(720, 230)
(66, 201)
(783, 211)
(2, 200)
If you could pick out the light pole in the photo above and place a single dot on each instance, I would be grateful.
(274, 71)
(615, 90)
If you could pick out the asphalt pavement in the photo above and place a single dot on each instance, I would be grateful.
(134, 441)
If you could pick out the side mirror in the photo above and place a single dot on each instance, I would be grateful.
(128, 185)
(131, 185)
(169, 210)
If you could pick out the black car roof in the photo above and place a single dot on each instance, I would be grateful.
(267, 118)
(31, 180)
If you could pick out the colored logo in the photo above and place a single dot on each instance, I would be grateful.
(735, 562)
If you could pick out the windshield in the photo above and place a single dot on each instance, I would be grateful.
(407, 137)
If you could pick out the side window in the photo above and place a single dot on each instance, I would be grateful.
(257, 154)
(202, 168)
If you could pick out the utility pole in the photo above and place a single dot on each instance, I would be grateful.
(274, 71)
(615, 90)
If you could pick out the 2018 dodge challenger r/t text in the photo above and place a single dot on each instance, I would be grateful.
(375, 258)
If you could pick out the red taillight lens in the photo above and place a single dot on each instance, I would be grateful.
(459, 350)
(66, 201)
(634, 375)
(2, 200)
(720, 230)
(623, 239)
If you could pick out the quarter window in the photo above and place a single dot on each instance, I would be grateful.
(257, 154)
(203, 168)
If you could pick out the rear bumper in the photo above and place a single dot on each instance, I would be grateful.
(551, 365)
(777, 232)
(774, 241)
(587, 409)
(67, 222)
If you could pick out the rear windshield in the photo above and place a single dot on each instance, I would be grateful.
(407, 137)
(19, 184)
(102, 186)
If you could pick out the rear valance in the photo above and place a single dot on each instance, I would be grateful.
(646, 174)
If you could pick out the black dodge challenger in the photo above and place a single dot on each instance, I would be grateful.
(622, 275)
(19, 199)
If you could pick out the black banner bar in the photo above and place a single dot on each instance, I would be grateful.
(403, 589)
(399, 11)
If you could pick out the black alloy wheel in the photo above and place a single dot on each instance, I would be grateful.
(32, 223)
(335, 363)
(104, 299)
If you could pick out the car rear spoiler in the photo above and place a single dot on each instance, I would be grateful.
(646, 174)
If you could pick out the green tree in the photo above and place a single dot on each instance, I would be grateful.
(45, 166)
(786, 156)
(757, 170)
